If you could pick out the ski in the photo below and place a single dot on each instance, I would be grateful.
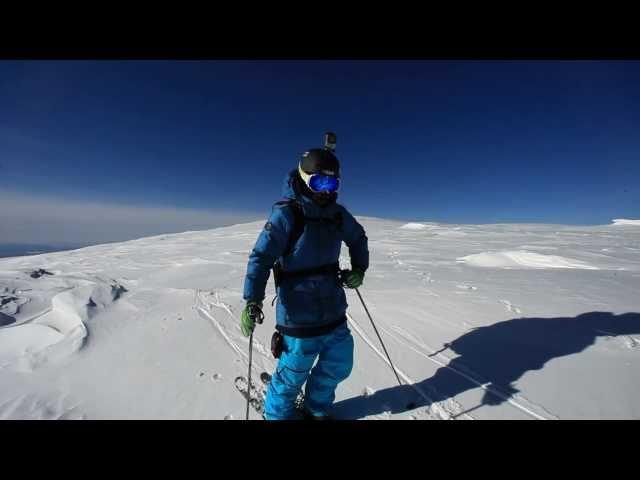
(256, 395)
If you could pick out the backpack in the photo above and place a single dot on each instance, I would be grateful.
(299, 222)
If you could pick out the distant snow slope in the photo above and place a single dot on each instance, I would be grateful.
(413, 226)
(623, 221)
(482, 321)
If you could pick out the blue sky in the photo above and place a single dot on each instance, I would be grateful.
(447, 141)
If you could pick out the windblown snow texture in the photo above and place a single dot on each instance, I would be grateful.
(481, 321)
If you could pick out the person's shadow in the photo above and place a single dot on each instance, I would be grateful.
(499, 354)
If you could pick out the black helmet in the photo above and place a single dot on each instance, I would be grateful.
(320, 160)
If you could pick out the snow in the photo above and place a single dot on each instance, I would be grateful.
(624, 221)
(414, 226)
(522, 259)
(481, 321)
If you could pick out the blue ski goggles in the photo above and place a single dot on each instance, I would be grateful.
(319, 182)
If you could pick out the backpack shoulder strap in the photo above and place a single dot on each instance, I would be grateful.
(298, 223)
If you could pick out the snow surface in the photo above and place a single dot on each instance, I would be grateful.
(624, 221)
(414, 226)
(482, 322)
(522, 259)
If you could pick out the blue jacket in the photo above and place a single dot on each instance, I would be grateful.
(306, 305)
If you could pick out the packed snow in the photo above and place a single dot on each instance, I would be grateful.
(481, 321)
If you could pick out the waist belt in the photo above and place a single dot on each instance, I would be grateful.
(306, 332)
(280, 275)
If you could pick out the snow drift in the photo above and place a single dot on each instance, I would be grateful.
(522, 259)
(414, 226)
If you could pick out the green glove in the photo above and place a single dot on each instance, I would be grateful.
(352, 278)
(252, 312)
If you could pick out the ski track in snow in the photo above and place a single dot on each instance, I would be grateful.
(200, 305)
(448, 410)
(208, 316)
(437, 407)
(475, 379)
(469, 375)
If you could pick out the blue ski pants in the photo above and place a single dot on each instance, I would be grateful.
(334, 352)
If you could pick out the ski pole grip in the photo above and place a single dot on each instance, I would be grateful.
(255, 312)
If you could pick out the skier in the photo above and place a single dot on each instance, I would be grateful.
(301, 241)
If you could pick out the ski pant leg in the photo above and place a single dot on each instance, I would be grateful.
(334, 366)
(291, 372)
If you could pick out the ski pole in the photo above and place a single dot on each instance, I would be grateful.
(249, 374)
(379, 337)
(255, 312)
(467, 411)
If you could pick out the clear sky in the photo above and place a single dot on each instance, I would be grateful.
(141, 147)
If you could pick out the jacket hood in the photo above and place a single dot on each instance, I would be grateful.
(289, 187)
